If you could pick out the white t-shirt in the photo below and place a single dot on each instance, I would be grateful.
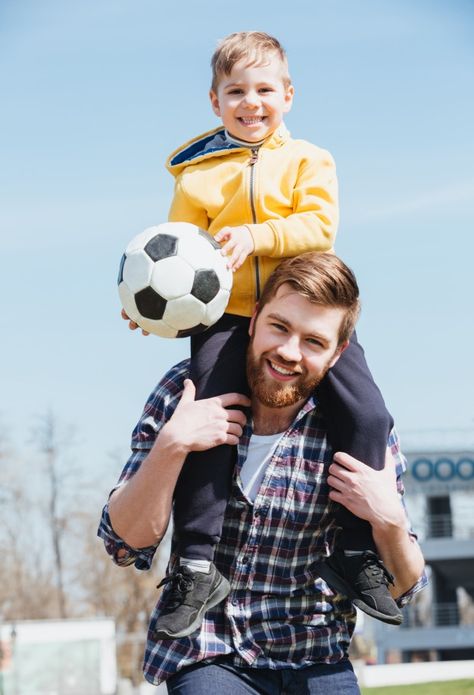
(261, 448)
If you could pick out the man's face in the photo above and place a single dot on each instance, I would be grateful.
(252, 100)
(293, 343)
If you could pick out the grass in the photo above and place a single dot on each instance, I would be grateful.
(464, 687)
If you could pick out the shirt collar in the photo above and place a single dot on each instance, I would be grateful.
(277, 137)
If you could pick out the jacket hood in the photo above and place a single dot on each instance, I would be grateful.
(215, 144)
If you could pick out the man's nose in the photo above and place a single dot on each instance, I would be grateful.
(290, 349)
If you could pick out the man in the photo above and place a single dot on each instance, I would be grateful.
(281, 628)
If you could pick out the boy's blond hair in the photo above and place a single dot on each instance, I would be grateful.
(252, 45)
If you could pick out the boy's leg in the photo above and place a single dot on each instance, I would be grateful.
(359, 424)
(203, 488)
(217, 366)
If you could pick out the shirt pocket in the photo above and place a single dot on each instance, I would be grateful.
(306, 502)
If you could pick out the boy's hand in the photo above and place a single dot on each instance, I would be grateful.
(238, 245)
(131, 324)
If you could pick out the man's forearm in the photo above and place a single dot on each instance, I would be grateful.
(140, 509)
(372, 495)
(401, 555)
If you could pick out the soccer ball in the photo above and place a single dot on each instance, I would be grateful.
(173, 280)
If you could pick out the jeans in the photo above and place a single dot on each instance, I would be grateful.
(225, 679)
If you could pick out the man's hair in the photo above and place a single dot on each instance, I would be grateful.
(323, 279)
(254, 46)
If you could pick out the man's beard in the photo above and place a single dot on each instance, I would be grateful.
(274, 394)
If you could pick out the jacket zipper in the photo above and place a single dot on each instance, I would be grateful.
(252, 161)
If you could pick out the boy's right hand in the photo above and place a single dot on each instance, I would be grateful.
(131, 324)
(238, 245)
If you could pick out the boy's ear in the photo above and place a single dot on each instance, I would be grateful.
(215, 103)
(289, 94)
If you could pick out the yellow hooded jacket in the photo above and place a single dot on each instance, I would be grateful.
(284, 191)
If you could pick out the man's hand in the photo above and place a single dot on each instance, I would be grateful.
(372, 495)
(238, 245)
(131, 324)
(369, 494)
(200, 425)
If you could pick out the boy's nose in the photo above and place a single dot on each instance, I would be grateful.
(252, 99)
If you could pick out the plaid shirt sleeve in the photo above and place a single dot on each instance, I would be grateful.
(401, 466)
(158, 410)
(122, 553)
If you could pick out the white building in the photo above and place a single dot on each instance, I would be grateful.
(58, 657)
(439, 625)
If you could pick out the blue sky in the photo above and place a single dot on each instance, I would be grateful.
(95, 95)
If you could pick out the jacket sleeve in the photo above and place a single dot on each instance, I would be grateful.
(313, 223)
(183, 210)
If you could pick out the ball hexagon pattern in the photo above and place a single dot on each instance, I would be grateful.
(173, 280)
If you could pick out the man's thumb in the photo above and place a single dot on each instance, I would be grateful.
(189, 391)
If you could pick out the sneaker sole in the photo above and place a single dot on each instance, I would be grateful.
(221, 591)
(335, 581)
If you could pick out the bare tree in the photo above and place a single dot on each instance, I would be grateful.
(53, 564)
(124, 593)
(26, 584)
(54, 445)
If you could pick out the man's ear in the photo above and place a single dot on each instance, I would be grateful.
(252, 320)
(214, 103)
(339, 350)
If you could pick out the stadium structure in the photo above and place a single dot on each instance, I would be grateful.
(439, 624)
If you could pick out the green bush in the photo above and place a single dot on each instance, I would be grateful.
(464, 687)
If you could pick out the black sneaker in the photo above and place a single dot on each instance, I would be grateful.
(190, 595)
(362, 577)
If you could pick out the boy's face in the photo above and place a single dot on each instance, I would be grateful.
(251, 100)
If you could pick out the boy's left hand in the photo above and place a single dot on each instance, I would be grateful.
(131, 324)
(238, 245)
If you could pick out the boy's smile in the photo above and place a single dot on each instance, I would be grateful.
(252, 100)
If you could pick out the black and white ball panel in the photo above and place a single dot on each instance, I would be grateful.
(173, 280)
(161, 246)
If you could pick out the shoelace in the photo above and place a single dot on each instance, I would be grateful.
(377, 569)
(181, 583)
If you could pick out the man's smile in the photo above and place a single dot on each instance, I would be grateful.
(281, 371)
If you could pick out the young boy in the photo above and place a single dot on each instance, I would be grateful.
(265, 197)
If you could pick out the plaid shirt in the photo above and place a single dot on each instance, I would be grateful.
(280, 613)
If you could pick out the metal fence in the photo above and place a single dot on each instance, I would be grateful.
(437, 615)
(448, 526)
